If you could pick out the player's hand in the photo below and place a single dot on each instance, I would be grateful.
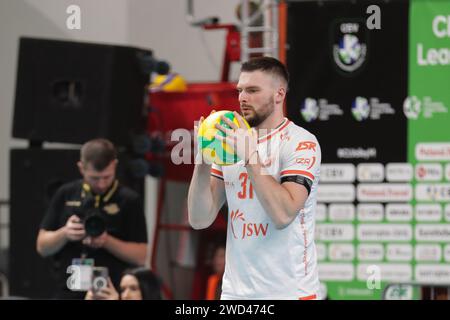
(243, 141)
(107, 293)
(74, 229)
(96, 242)
(198, 155)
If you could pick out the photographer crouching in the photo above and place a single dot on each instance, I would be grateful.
(93, 222)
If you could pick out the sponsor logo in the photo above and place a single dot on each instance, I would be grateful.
(334, 232)
(428, 212)
(413, 107)
(399, 212)
(399, 172)
(336, 193)
(309, 109)
(285, 136)
(307, 162)
(433, 151)
(336, 271)
(111, 208)
(373, 172)
(433, 232)
(429, 172)
(337, 172)
(384, 232)
(433, 273)
(243, 229)
(312, 109)
(363, 109)
(433, 192)
(360, 109)
(384, 192)
(341, 212)
(229, 183)
(399, 252)
(428, 252)
(306, 145)
(370, 212)
(399, 292)
(342, 252)
(349, 47)
(370, 252)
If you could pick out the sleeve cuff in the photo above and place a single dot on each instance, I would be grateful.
(297, 173)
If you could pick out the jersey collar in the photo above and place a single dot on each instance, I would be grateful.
(278, 129)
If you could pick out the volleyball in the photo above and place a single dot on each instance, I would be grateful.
(169, 83)
(212, 149)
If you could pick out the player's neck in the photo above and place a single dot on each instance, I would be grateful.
(271, 123)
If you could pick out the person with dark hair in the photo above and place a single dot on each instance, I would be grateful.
(214, 282)
(271, 193)
(93, 221)
(135, 284)
(149, 285)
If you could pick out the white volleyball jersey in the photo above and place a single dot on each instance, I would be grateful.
(261, 261)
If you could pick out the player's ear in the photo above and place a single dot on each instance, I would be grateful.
(280, 94)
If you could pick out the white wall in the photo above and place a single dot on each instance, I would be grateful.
(155, 24)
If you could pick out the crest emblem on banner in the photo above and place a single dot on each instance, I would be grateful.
(349, 45)
(309, 109)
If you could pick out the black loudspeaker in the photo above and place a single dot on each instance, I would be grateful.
(35, 175)
(72, 92)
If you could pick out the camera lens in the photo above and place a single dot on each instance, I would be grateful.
(99, 283)
(94, 225)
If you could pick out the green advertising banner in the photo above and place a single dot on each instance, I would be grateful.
(378, 102)
(427, 110)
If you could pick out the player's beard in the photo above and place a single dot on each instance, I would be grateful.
(254, 118)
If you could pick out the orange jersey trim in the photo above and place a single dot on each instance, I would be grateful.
(217, 172)
(297, 172)
(270, 135)
(311, 297)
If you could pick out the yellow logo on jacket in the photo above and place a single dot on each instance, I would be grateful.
(111, 208)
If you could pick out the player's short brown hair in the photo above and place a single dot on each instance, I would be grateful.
(267, 64)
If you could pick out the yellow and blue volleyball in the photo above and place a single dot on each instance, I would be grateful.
(212, 149)
(172, 82)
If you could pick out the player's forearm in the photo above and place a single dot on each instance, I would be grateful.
(131, 252)
(276, 200)
(200, 200)
(50, 242)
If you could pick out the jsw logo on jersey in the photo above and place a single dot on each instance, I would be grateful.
(242, 229)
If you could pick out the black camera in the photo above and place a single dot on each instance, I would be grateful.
(99, 278)
(91, 217)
